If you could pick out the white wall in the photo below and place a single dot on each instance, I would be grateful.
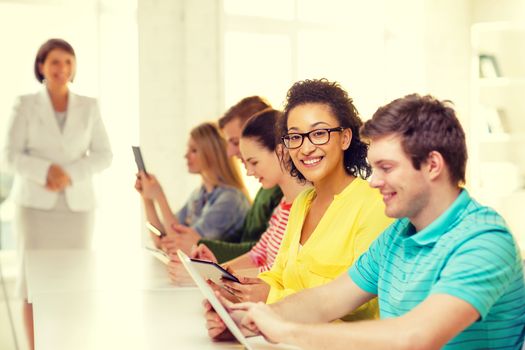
(427, 50)
(391, 49)
(118, 214)
(494, 10)
(179, 84)
(447, 53)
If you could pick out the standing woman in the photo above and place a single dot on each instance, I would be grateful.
(56, 141)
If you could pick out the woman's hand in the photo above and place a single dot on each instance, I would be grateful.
(217, 330)
(138, 183)
(57, 179)
(250, 289)
(185, 238)
(202, 252)
(157, 241)
(148, 186)
(177, 272)
(168, 244)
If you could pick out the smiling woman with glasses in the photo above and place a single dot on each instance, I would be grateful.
(331, 224)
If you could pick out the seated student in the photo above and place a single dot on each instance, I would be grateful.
(217, 208)
(256, 220)
(262, 152)
(448, 273)
(333, 223)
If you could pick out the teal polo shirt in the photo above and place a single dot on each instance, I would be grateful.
(467, 252)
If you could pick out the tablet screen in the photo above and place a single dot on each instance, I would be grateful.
(212, 271)
(138, 158)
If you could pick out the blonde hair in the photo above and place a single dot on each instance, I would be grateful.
(219, 168)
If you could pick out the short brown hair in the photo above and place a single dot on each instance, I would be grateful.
(425, 124)
(243, 110)
(45, 49)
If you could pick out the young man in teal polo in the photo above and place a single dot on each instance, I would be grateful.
(447, 273)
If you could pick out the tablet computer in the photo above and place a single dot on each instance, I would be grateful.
(155, 230)
(138, 158)
(212, 298)
(159, 254)
(212, 271)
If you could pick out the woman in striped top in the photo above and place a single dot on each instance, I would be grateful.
(262, 153)
(264, 252)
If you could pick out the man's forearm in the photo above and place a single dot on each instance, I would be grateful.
(430, 325)
(304, 307)
(379, 334)
(325, 303)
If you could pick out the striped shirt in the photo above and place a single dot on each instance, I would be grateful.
(264, 252)
(467, 252)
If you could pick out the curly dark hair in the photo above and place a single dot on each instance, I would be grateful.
(341, 105)
(425, 124)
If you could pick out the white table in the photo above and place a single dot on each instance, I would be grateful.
(120, 320)
(94, 300)
(154, 320)
(81, 270)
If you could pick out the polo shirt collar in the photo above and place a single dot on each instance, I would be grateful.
(440, 226)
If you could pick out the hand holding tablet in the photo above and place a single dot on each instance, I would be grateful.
(210, 295)
(155, 230)
(230, 314)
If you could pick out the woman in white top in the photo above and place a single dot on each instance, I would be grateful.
(56, 141)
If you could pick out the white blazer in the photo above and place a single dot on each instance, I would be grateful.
(34, 142)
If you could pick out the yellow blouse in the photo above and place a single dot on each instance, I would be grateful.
(350, 224)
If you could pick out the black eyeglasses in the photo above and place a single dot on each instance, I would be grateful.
(317, 137)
